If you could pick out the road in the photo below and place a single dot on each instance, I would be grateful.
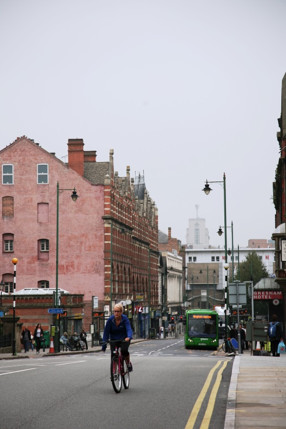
(168, 390)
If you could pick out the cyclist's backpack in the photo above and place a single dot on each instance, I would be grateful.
(272, 330)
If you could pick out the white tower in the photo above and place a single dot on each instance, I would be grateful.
(197, 233)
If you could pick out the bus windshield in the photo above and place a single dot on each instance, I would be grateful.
(202, 325)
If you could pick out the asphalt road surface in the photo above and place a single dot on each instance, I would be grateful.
(171, 387)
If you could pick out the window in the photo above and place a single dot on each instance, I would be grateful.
(43, 249)
(43, 173)
(194, 258)
(8, 246)
(44, 245)
(7, 174)
(44, 284)
(8, 243)
(217, 258)
(213, 258)
(8, 288)
(190, 259)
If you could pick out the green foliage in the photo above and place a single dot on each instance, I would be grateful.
(252, 269)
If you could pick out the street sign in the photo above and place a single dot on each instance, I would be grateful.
(55, 310)
(237, 293)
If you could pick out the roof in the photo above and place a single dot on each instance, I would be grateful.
(267, 283)
(162, 238)
(95, 172)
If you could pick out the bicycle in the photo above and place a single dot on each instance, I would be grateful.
(227, 347)
(119, 373)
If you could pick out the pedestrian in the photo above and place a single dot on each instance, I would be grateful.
(39, 337)
(274, 334)
(83, 337)
(32, 342)
(65, 341)
(242, 338)
(26, 338)
(233, 332)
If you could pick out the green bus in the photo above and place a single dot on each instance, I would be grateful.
(201, 329)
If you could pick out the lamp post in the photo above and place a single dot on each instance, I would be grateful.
(1, 285)
(220, 232)
(14, 262)
(74, 197)
(207, 190)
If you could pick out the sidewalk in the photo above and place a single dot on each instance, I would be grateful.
(257, 392)
(33, 354)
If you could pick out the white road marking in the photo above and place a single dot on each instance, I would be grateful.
(14, 372)
(69, 363)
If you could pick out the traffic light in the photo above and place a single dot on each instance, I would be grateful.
(172, 319)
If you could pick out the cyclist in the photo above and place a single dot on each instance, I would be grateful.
(118, 328)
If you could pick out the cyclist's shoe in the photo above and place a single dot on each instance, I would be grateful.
(130, 367)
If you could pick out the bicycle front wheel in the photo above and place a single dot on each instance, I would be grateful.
(125, 375)
(116, 378)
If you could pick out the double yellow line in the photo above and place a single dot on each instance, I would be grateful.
(208, 413)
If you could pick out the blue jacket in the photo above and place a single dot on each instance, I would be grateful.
(113, 332)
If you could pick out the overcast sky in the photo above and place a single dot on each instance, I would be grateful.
(182, 90)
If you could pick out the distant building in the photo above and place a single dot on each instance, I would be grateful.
(206, 274)
(172, 285)
(254, 243)
(197, 234)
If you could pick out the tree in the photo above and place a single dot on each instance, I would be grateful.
(252, 269)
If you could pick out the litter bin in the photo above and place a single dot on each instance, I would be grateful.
(47, 338)
(152, 333)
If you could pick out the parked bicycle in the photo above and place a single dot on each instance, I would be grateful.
(230, 346)
(119, 373)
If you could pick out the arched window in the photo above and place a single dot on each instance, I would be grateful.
(44, 284)
(8, 243)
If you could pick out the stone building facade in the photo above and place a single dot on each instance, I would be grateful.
(172, 275)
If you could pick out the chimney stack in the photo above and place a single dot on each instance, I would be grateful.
(76, 155)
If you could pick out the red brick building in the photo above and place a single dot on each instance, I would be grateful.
(107, 240)
(279, 200)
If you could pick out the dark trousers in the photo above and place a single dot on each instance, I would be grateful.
(274, 346)
(40, 342)
(124, 347)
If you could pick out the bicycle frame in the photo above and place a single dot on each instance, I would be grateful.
(118, 368)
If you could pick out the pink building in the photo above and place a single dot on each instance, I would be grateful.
(94, 257)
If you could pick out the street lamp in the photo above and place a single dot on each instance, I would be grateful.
(74, 197)
(207, 190)
(14, 262)
(229, 252)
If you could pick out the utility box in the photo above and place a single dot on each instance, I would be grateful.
(259, 330)
(256, 331)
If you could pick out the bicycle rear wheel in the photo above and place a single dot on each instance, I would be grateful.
(116, 378)
(125, 375)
